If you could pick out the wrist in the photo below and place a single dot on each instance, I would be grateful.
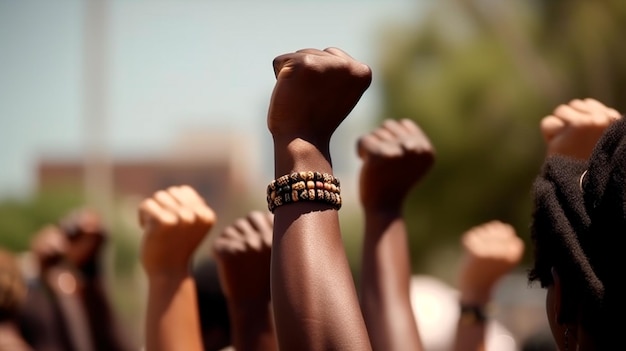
(473, 314)
(299, 154)
(168, 275)
(475, 296)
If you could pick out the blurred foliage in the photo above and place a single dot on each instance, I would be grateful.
(21, 219)
(478, 75)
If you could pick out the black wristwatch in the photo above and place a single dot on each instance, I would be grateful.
(473, 314)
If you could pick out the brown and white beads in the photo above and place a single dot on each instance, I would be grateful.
(304, 186)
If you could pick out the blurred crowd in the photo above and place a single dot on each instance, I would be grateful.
(278, 278)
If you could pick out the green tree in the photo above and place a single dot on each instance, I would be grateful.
(478, 76)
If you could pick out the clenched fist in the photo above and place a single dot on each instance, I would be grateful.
(315, 90)
(174, 222)
(395, 157)
(491, 251)
(574, 129)
(243, 252)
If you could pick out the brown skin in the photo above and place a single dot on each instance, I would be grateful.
(174, 221)
(12, 296)
(243, 253)
(491, 250)
(396, 156)
(573, 129)
(314, 301)
(78, 255)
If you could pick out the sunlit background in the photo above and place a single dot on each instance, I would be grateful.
(105, 102)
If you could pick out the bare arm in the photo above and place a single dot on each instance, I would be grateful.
(174, 221)
(243, 252)
(395, 157)
(313, 296)
(491, 251)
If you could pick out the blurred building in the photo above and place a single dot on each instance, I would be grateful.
(220, 166)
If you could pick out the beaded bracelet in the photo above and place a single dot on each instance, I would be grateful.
(304, 186)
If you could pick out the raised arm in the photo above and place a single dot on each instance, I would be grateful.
(174, 222)
(573, 129)
(87, 237)
(491, 250)
(395, 157)
(313, 296)
(243, 252)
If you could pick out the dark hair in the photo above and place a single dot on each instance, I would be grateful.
(539, 341)
(579, 229)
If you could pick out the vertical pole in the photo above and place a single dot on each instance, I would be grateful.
(97, 166)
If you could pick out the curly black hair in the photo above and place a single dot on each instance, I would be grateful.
(579, 229)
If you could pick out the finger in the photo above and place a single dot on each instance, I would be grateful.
(231, 233)
(339, 52)
(224, 246)
(189, 199)
(595, 105)
(569, 115)
(185, 194)
(551, 126)
(177, 206)
(614, 114)
(150, 211)
(579, 105)
(367, 144)
(260, 222)
(363, 69)
(280, 62)
(396, 129)
(251, 237)
(385, 135)
(312, 52)
(411, 126)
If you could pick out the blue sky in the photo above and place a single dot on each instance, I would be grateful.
(171, 66)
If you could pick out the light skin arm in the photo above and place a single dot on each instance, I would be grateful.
(491, 250)
(314, 300)
(573, 129)
(174, 221)
(243, 253)
(395, 157)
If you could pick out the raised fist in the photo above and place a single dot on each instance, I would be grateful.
(86, 235)
(395, 157)
(243, 252)
(491, 251)
(174, 222)
(315, 90)
(49, 245)
(574, 129)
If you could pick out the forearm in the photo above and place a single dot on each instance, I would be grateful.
(385, 283)
(252, 328)
(314, 300)
(471, 332)
(172, 321)
(105, 331)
